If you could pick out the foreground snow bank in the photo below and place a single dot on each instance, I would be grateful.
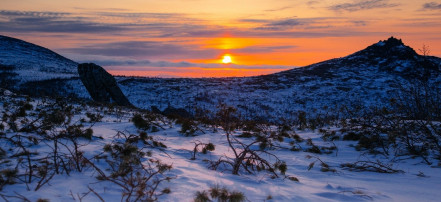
(415, 181)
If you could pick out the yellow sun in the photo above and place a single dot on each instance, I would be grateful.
(226, 59)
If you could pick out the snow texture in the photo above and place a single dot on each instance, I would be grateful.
(418, 182)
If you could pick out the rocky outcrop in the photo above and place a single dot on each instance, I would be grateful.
(101, 85)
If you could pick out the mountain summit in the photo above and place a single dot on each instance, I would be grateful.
(391, 56)
(391, 47)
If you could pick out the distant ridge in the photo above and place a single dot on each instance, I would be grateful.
(369, 77)
(390, 55)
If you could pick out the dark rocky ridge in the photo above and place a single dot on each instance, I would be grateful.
(391, 56)
(101, 86)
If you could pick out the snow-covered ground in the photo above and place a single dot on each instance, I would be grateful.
(416, 182)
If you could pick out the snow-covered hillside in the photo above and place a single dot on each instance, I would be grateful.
(33, 62)
(33, 69)
(370, 77)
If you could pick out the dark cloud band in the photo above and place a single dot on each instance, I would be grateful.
(362, 5)
(432, 6)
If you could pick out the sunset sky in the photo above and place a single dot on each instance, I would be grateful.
(190, 38)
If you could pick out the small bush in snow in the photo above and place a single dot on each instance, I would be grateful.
(140, 122)
(221, 194)
(94, 117)
(130, 169)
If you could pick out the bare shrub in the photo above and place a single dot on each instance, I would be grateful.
(245, 156)
(324, 166)
(205, 148)
(371, 166)
(189, 127)
(132, 169)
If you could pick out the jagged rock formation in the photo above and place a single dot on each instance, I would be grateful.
(101, 85)
(389, 56)
(393, 56)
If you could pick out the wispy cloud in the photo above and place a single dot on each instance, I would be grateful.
(282, 24)
(166, 25)
(251, 20)
(362, 5)
(304, 27)
(359, 22)
(262, 49)
(287, 22)
(278, 9)
(50, 22)
(146, 16)
(432, 6)
(12, 14)
(152, 49)
(313, 2)
(140, 64)
(153, 24)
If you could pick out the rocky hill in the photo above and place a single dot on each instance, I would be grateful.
(370, 77)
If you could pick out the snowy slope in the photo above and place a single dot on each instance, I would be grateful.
(24, 66)
(33, 62)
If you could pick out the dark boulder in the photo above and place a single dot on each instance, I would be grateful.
(101, 85)
(176, 112)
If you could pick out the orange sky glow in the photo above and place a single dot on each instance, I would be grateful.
(189, 38)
